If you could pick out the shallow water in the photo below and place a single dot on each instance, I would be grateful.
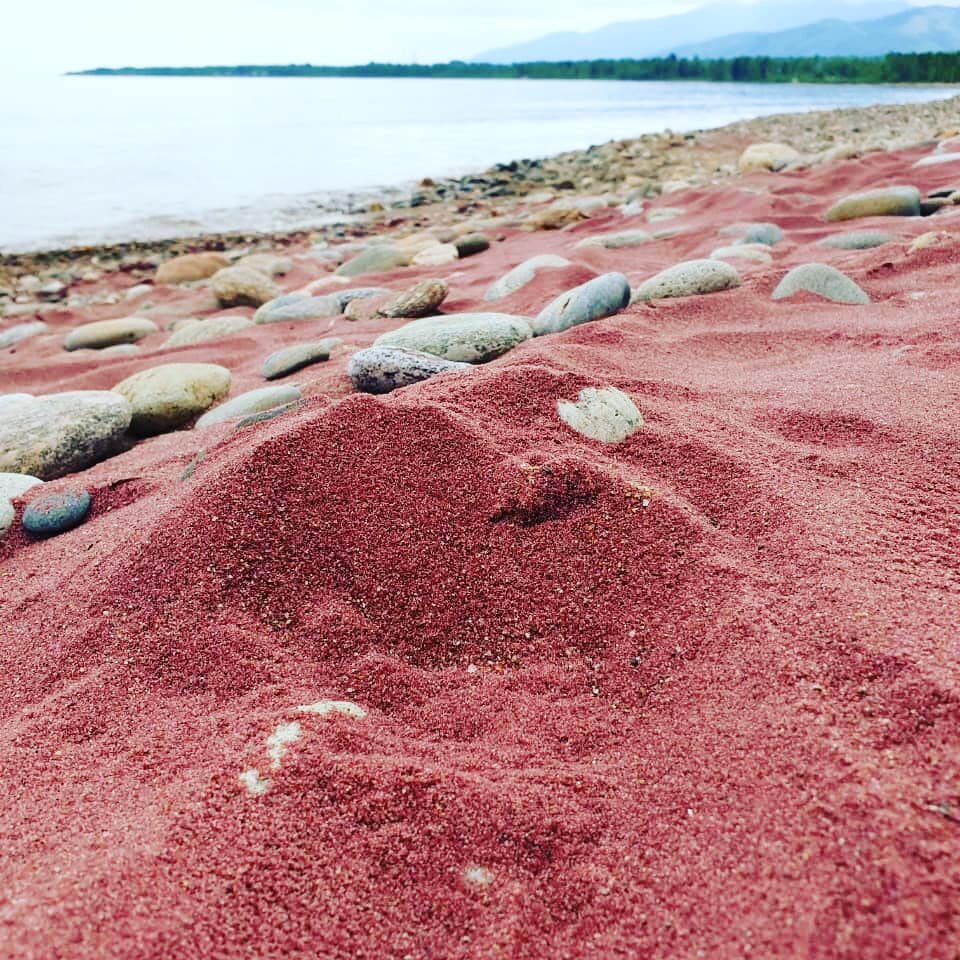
(91, 159)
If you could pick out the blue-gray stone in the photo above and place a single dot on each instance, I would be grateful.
(54, 513)
(601, 297)
(383, 369)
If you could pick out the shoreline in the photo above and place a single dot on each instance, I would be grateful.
(653, 163)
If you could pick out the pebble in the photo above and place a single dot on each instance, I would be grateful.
(554, 218)
(346, 297)
(606, 414)
(758, 253)
(53, 513)
(21, 331)
(665, 213)
(243, 286)
(107, 333)
(61, 433)
(383, 369)
(203, 331)
(936, 159)
(421, 300)
(767, 156)
(471, 244)
(131, 293)
(932, 238)
(253, 401)
(168, 396)
(522, 274)
(436, 256)
(469, 337)
(12, 485)
(268, 263)
(296, 357)
(884, 202)
(375, 259)
(190, 267)
(616, 241)
(856, 240)
(601, 297)
(690, 278)
(822, 280)
(295, 307)
(768, 234)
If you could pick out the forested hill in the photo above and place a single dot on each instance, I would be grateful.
(893, 68)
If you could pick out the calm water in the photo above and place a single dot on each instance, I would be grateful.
(85, 159)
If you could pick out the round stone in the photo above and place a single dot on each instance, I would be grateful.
(268, 263)
(375, 259)
(468, 337)
(253, 401)
(471, 244)
(757, 253)
(601, 297)
(243, 286)
(295, 307)
(436, 255)
(856, 240)
(166, 397)
(383, 369)
(822, 280)
(421, 300)
(12, 485)
(21, 331)
(884, 202)
(63, 432)
(523, 273)
(204, 331)
(690, 278)
(296, 357)
(616, 241)
(766, 156)
(108, 333)
(765, 233)
(190, 267)
(605, 414)
(53, 513)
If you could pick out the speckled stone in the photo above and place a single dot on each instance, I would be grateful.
(884, 202)
(53, 513)
(383, 369)
(62, 432)
(107, 333)
(601, 297)
(296, 357)
(467, 337)
(822, 280)
(690, 278)
(253, 401)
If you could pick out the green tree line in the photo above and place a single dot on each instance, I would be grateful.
(893, 68)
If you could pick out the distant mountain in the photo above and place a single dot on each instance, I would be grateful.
(646, 38)
(919, 30)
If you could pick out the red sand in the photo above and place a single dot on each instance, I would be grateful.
(722, 725)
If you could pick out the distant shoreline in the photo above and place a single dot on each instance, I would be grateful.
(894, 68)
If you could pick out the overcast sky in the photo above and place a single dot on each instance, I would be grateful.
(56, 35)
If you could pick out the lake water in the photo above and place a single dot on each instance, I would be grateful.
(89, 159)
